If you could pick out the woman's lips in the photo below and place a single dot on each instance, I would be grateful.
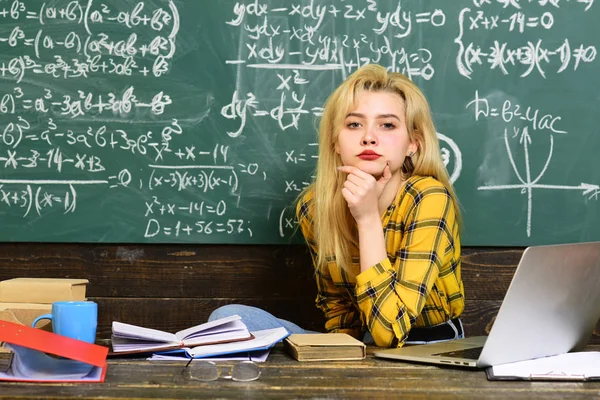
(368, 155)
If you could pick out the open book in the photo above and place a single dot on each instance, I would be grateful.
(128, 339)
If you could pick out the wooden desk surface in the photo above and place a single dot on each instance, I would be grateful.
(283, 377)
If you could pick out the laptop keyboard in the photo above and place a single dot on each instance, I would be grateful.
(472, 353)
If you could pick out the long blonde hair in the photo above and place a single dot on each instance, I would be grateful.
(334, 226)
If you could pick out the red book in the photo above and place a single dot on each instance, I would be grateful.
(31, 360)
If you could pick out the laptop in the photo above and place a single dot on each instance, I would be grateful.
(551, 307)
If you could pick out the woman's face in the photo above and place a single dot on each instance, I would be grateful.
(374, 134)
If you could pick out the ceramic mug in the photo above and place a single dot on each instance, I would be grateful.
(75, 319)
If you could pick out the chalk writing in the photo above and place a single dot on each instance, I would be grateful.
(513, 116)
(195, 121)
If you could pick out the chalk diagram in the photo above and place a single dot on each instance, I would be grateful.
(528, 184)
(450, 153)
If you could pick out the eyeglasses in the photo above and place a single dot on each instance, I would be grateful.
(202, 370)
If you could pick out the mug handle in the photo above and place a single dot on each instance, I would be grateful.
(45, 316)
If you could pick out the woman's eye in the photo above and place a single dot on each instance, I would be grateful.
(389, 125)
(353, 125)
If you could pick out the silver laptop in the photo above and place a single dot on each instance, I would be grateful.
(551, 307)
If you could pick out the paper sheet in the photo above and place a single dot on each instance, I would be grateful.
(582, 365)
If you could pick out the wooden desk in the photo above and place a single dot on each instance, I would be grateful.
(285, 378)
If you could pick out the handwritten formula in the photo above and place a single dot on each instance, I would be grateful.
(185, 121)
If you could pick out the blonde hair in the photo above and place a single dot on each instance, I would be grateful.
(334, 227)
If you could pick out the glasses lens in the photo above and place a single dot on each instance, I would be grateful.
(245, 371)
(204, 371)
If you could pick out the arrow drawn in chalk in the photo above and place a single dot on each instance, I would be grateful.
(527, 185)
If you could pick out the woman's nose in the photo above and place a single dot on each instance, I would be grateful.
(368, 138)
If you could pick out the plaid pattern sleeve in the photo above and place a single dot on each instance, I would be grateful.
(419, 284)
(335, 294)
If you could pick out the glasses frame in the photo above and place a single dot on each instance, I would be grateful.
(187, 372)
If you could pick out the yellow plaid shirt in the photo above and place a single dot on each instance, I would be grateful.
(419, 284)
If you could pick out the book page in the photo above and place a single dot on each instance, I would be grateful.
(217, 338)
(582, 364)
(122, 345)
(123, 330)
(233, 322)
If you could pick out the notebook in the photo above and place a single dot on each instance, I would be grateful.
(551, 307)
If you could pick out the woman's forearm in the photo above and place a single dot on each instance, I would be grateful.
(371, 242)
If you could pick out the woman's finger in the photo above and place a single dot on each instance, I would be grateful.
(357, 180)
(348, 196)
(352, 187)
(354, 170)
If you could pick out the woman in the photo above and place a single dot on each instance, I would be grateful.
(381, 219)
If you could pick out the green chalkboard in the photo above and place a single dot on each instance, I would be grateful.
(194, 121)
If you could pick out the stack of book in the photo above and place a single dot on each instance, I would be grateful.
(29, 353)
(24, 299)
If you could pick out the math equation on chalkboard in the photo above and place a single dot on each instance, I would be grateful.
(196, 121)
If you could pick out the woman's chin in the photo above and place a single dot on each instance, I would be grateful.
(371, 168)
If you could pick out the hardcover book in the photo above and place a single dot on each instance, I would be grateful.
(324, 346)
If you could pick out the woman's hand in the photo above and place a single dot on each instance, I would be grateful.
(362, 191)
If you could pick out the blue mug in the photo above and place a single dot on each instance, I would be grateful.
(75, 319)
